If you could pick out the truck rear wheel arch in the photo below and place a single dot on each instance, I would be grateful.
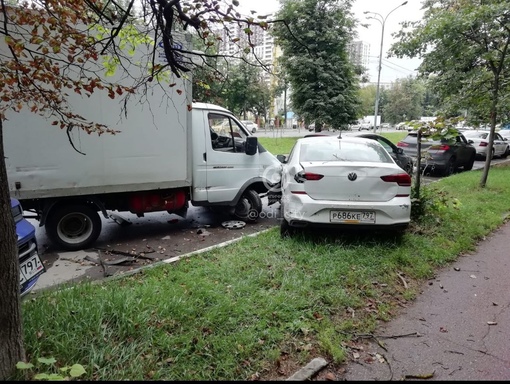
(50, 205)
(73, 225)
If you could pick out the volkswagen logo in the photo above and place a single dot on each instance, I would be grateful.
(352, 176)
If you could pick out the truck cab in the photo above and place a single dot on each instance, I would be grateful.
(31, 266)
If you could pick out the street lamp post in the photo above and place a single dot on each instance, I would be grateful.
(382, 20)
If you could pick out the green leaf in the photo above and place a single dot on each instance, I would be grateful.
(47, 361)
(50, 377)
(77, 370)
(23, 365)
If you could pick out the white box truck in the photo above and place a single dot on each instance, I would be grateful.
(169, 152)
(162, 159)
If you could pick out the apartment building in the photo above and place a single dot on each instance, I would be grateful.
(359, 53)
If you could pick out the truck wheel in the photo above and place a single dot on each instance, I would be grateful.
(249, 206)
(73, 227)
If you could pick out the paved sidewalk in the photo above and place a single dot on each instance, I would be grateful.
(458, 328)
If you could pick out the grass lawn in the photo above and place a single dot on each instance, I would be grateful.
(283, 145)
(259, 308)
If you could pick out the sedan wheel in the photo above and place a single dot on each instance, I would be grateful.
(506, 153)
(450, 168)
(470, 163)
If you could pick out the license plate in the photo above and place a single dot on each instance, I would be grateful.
(352, 217)
(31, 268)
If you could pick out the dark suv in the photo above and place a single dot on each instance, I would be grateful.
(445, 155)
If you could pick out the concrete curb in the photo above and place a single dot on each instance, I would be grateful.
(309, 370)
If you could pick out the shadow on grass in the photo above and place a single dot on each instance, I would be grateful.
(348, 236)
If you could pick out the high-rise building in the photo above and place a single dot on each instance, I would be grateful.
(234, 42)
(359, 53)
(258, 47)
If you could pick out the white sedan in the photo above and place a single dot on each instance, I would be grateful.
(250, 125)
(480, 140)
(343, 181)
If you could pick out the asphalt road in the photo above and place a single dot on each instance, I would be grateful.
(146, 240)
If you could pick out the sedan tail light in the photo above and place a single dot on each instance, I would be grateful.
(483, 144)
(402, 144)
(402, 179)
(440, 147)
(303, 176)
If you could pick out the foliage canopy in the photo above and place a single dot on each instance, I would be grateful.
(465, 49)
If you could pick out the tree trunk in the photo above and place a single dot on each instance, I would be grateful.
(494, 108)
(11, 335)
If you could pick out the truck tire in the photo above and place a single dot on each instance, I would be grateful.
(73, 227)
(249, 206)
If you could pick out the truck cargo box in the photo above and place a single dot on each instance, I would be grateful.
(151, 151)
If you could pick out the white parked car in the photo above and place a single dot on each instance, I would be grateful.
(250, 125)
(343, 181)
(480, 140)
(505, 134)
(365, 127)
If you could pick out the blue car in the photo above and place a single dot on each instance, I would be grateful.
(31, 266)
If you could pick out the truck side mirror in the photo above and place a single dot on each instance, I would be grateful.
(251, 146)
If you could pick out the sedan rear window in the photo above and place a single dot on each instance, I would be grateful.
(340, 150)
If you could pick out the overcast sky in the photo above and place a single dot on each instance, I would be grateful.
(392, 68)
